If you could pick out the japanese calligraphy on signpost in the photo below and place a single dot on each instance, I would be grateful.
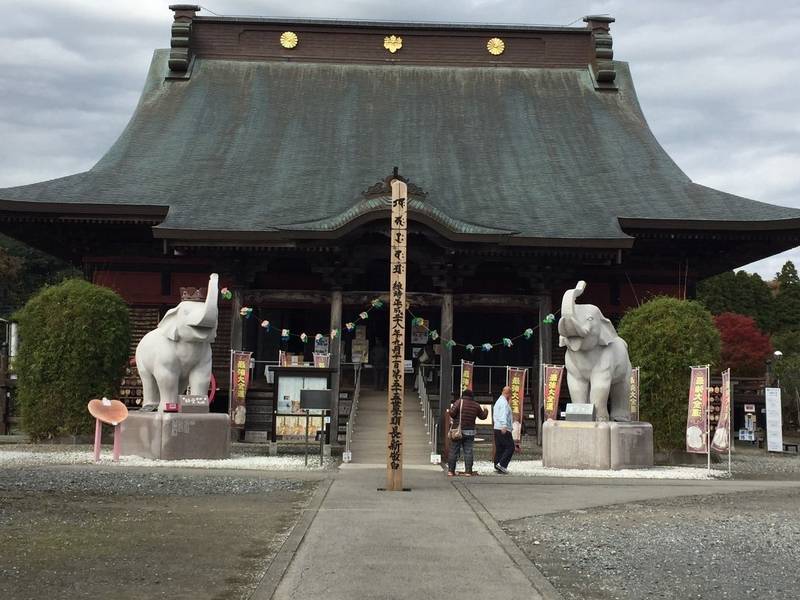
(397, 336)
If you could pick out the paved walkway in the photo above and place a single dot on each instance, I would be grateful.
(426, 543)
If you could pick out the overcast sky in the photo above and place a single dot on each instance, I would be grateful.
(718, 80)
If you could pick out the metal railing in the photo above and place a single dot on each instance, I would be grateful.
(347, 455)
(427, 412)
(486, 379)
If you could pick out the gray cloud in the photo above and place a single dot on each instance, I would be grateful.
(718, 81)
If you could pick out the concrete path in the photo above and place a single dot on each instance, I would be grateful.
(426, 543)
(369, 437)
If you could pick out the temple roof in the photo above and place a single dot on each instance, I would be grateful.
(261, 149)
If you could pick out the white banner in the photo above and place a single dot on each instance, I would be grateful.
(774, 420)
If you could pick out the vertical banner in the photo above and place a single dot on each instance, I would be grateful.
(466, 375)
(515, 379)
(552, 390)
(397, 336)
(722, 436)
(633, 399)
(697, 421)
(240, 379)
(774, 419)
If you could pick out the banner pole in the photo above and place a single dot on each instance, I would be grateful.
(708, 416)
(730, 420)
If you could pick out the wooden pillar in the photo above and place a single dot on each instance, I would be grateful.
(336, 359)
(237, 337)
(545, 356)
(446, 374)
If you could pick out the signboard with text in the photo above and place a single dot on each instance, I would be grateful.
(774, 420)
(551, 389)
(240, 379)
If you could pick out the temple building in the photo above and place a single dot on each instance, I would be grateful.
(263, 149)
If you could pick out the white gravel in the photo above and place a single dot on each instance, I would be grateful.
(534, 468)
(80, 456)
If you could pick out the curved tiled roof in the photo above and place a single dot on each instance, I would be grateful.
(265, 147)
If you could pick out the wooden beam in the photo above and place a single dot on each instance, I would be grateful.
(336, 357)
(446, 374)
(545, 356)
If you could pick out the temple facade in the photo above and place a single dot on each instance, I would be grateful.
(264, 149)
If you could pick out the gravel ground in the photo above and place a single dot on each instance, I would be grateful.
(74, 532)
(43, 455)
(744, 545)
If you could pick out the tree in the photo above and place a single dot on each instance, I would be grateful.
(74, 340)
(740, 293)
(788, 275)
(745, 348)
(665, 337)
(788, 342)
(787, 370)
(786, 306)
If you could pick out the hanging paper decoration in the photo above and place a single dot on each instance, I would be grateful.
(226, 293)
(363, 315)
(334, 333)
(419, 321)
(434, 335)
(377, 303)
(265, 325)
(470, 347)
(246, 311)
(486, 347)
(303, 338)
(507, 342)
(284, 334)
(528, 333)
(450, 343)
(318, 337)
(548, 320)
(350, 326)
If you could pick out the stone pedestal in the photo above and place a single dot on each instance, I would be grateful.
(176, 436)
(597, 445)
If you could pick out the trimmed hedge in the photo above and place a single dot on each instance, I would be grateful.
(74, 343)
(665, 337)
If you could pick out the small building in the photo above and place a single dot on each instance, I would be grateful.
(263, 149)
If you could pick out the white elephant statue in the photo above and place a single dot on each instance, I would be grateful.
(598, 367)
(177, 354)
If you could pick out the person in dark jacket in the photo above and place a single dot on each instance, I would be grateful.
(467, 410)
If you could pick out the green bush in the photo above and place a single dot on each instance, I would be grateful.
(74, 343)
(665, 337)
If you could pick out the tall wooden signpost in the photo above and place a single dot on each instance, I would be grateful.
(397, 336)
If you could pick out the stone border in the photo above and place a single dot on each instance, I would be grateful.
(517, 556)
(269, 583)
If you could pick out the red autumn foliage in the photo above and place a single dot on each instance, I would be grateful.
(745, 348)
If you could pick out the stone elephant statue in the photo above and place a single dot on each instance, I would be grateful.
(177, 354)
(598, 367)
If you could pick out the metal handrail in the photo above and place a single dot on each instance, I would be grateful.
(427, 413)
(347, 456)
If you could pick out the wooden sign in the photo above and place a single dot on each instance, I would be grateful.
(397, 335)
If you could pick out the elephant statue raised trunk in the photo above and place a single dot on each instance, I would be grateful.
(598, 367)
(177, 354)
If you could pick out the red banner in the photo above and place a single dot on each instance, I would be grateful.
(466, 375)
(515, 379)
(722, 436)
(551, 390)
(633, 398)
(697, 421)
(240, 379)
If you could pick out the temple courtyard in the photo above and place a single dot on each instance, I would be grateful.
(87, 531)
